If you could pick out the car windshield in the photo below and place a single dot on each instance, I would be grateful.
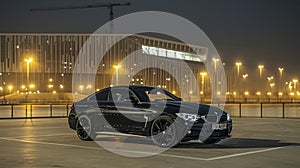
(149, 94)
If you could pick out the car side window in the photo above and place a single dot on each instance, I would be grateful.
(120, 95)
(102, 96)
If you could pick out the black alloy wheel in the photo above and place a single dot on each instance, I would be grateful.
(84, 128)
(163, 132)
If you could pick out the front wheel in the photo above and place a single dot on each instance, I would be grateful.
(84, 128)
(163, 132)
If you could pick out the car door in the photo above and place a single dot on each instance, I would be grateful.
(126, 115)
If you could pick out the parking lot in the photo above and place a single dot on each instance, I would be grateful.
(256, 142)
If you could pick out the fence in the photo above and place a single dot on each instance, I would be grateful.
(9, 111)
(277, 110)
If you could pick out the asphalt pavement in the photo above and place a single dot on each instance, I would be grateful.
(256, 142)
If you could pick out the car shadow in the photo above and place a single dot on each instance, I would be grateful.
(238, 143)
(228, 143)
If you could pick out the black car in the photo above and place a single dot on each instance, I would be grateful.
(150, 112)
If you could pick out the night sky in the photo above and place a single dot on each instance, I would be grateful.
(251, 31)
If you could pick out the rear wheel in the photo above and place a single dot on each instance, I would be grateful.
(84, 128)
(163, 132)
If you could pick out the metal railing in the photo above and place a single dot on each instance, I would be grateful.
(275, 110)
(12, 111)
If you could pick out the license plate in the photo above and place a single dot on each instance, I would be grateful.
(219, 126)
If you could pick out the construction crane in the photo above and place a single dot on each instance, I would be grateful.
(107, 5)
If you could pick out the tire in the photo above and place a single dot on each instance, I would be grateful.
(84, 129)
(163, 132)
(211, 141)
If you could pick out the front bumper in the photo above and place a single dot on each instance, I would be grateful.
(203, 130)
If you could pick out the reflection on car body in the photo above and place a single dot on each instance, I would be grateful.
(151, 112)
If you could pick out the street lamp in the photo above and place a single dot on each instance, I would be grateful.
(260, 67)
(28, 61)
(295, 81)
(117, 73)
(215, 60)
(280, 79)
(203, 74)
(245, 77)
(238, 64)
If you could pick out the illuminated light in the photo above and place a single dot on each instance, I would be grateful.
(173, 92)
(54, 92)
(18, 91)
(81, 87)
(111, 85)
(272, 84)
(50, 86)
(218, 93)
(116, 66)
(97, 90)
(234, 93)
(258, 93)
(28, 60)
(88, 86)
(1, 88)
(38, 92)
(298, 93)
(292, 94)
(201, 92)
(62, 75)
(280, 94)
(76, 93)
(159, 86)
(245, 76)
(191, 92)
(137, 80)
(31, 86)
(227, 93)
(269, 93)
(10, 87)
(50, 80)
(23, 86)
(132, 80)
(61, 86)
(18, 46)
(142, 83)
(168, 79)
(161, 52)
(246, 93)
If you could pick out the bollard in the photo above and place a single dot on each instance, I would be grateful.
(12, 111)
(30, 110)
(240, 108)
(50, 110)
(283, 112)
(26, 111)
(261, 110)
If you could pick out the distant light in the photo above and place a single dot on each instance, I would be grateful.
(23, 86)
(258, 93)
(246, 93)
(50, 80)
(168, 79)
(97, 90)
(54, 92)
(50, 86)
(234, 93)
(280, 94)
(173, 92)
(61, 86)
(292, 94)
(31, 86)
(62, 74)
(18, 46)
(269, 93)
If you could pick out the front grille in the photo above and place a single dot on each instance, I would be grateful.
(214, 118)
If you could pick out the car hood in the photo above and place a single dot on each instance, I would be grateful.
(188, 107)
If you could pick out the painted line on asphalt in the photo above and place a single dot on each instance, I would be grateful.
(258, 123)
(245, 153)
(149, 153)
(44, 135)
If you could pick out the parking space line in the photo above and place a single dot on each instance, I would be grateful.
(44, 135)
(245, 153)
(140, 152)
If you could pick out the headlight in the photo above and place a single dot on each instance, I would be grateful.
(228, 117)
(188, 117)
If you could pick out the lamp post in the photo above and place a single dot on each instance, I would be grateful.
(203, 74)
(245, 77)
(215, 60)
(280, 78)
(28, 61)
(295, 81)
(117, 73)
(238, 64)
(260, 67)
